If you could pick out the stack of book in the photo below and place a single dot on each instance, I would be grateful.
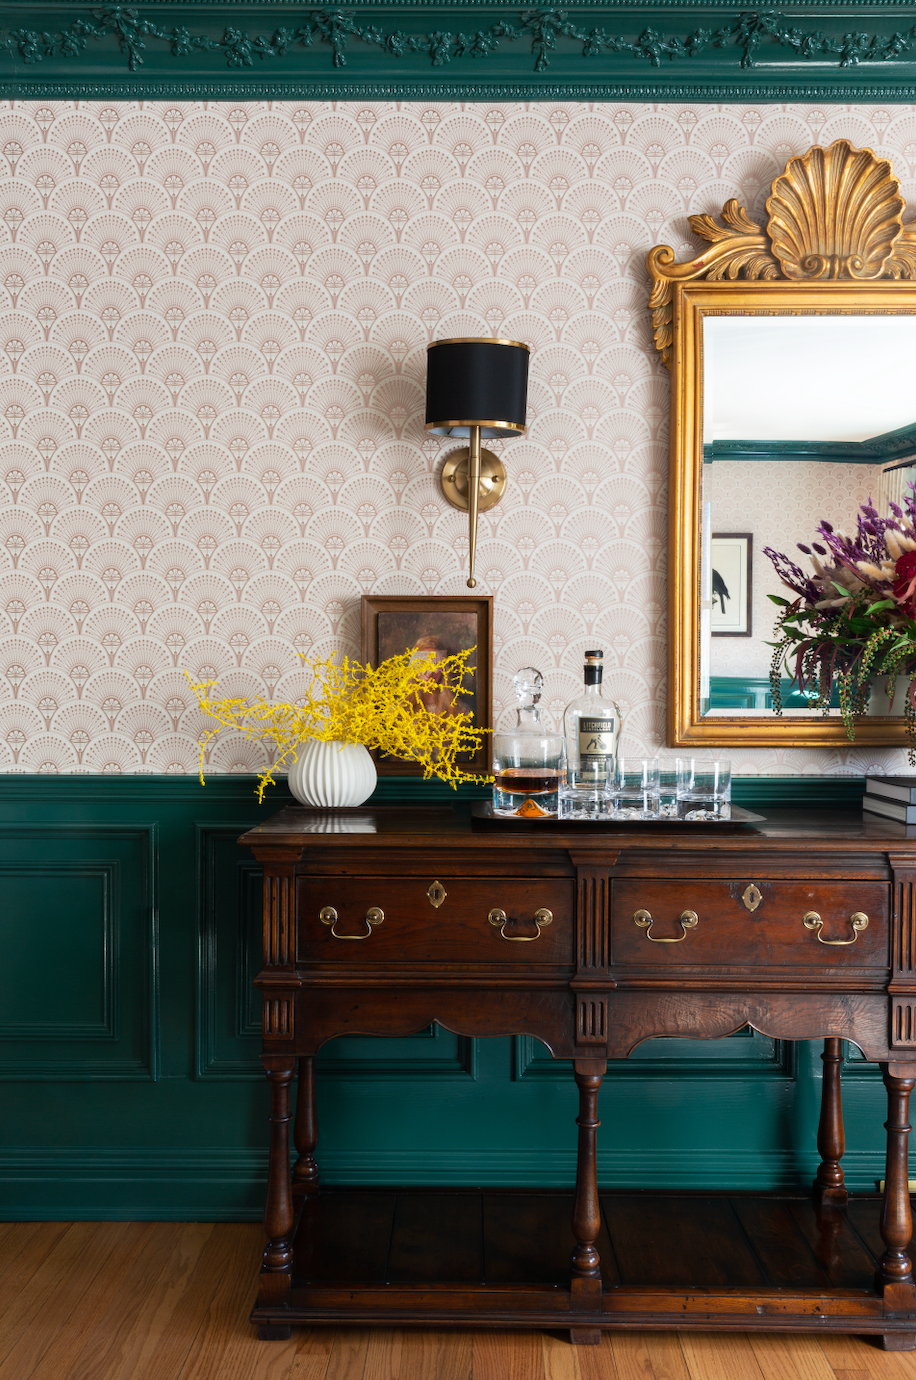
(891, 797)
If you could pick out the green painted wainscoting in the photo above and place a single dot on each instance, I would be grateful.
(129, 1073)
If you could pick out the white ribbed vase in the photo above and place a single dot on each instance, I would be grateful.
(878, 703)
(332, 774)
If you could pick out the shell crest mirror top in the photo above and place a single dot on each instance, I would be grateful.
(834, 213)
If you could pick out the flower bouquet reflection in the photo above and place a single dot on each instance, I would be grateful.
(852, 621)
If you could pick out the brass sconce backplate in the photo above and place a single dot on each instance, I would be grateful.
(454, 479)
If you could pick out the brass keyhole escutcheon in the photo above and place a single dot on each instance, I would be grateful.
(752, 896)
(328, 916)
(436, 894)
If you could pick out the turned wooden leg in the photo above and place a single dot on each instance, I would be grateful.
(585, 1288)
(277, 1263)
(305, 1129)
(829, 1187)
(894, 1276)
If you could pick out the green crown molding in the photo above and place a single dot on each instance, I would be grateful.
(877, 450)
(684, 50)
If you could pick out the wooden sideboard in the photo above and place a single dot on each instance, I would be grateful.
(380, 921)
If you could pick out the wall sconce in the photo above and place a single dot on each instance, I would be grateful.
(469, 383)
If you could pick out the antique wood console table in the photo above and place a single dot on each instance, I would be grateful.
(381, 921)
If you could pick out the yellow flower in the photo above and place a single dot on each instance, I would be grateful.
(383, 708)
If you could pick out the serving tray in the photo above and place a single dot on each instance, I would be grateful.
(483, 815)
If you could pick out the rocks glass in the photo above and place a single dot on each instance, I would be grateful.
(635, 789)
(704, 789)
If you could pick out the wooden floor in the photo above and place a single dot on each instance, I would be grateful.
(169, 1301)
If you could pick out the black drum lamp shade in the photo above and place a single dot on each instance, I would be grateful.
(476, 383)
(475, 388)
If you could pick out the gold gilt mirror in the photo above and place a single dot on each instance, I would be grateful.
(792, 352)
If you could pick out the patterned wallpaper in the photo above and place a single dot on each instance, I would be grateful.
(213, 322)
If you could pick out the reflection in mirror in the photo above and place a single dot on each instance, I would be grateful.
(802, 417)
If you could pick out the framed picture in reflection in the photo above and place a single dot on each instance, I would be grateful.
(731, 562)
(440, 625)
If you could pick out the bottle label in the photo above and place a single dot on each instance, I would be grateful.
(596, 746)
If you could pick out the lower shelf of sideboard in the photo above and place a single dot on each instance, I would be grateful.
(500, 1258)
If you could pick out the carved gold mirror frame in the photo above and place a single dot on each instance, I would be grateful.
(834, 243)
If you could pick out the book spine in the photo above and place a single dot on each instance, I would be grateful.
(906, 795)
(888, 809)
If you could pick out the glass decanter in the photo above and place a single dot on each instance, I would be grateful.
(529, 763)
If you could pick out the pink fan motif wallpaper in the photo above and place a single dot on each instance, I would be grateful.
(213, 329)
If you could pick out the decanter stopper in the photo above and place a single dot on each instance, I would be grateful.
(528, 683)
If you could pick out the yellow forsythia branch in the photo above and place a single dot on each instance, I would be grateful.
(347, 702)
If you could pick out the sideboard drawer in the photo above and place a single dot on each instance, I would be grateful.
(481, 920)
(801, 924)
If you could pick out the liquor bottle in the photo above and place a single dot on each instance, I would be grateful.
(528, 762)
(592, 728)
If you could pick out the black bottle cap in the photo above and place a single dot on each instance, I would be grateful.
(596, 654)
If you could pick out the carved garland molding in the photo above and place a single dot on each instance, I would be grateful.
(834, 213)
(747, 33)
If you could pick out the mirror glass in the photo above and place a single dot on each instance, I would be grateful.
(802, 415)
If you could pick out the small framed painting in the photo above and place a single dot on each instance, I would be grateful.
(731, 562)
(441, 625)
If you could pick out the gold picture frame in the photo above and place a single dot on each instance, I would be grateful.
(834, 243)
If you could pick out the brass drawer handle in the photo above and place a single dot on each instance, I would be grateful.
(859, 922)
(328, 916)
(688, 920)
(499, 918)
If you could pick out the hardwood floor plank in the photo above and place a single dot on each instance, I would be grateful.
(170, 1301)
(598, 1362)
(188, 1313)
(630, 1352)
(561, 1361)
(313, 1352)
(129, 1334)
(861, 1353)
(419, 1355)
(507, 1356)
(782, 1357)
(65, 1336)
(226, 1344)
(39, 1311)
(719, 1356)
(455, 1359)
(383, 1358)
(347, 1360)
(666, 1356)
(25, 1248)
